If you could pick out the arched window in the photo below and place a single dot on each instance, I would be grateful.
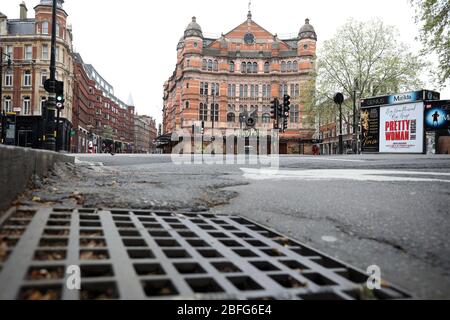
(45, 27)
(249, 67)
(266, 67)
(297, 91)
(241, 91)
(241, 109)
(255, 67)
(295, 66)
(7, 104)
(231, 118)
(210, 65)
(216, 65)
(204, 64)
(289, 66)
(245, 91)
(256, 91)
(233, 90)
(203, 112)
(243, 67)
(231, 66)
(266, 118)
(214, 112)
(26, 107)
(283, 66)
(292, 90)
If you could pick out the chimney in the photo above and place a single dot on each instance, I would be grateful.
(23, 11)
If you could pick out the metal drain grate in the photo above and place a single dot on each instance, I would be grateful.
(129, 254)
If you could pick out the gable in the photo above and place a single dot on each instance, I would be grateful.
(238, 33)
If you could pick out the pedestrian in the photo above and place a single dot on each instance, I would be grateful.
(90, 147)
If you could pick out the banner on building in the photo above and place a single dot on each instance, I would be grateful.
(408, 97)
(437, 116)
(402, 129)
(370, 122)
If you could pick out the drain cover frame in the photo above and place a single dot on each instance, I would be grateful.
(148, 254)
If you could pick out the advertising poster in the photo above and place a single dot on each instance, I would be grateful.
(402, 128)
(437, 116)
(370, 122)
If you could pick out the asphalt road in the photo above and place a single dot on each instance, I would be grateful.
(390, 211)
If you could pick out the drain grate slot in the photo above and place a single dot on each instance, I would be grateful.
(137, 254)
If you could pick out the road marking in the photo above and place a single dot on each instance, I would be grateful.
(332, 159)
(344, 174)
(329, 239)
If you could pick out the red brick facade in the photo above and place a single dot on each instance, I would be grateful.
(246, 68)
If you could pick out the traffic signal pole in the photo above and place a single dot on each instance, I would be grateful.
(50, 132)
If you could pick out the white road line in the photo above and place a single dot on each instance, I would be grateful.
(344, 174)
(332, 159)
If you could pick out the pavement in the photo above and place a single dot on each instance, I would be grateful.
(386, 210)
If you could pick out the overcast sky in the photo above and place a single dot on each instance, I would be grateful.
(132, 43)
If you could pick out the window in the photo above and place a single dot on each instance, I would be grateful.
(45, 55)
(255, 67)
(266, 118)
(266, 67)
(44, 77)
(241, 91)
(266, 91)
(231, 66)
(295, 66)
(233, 88)
(8, 78)
(203, 110)
(245, 91)
(292, 90)
(57, 30)
(243, 67)
(204, 64)
(57, 58)
(297, 91)
(289, 66)
(231, 118)
(215, 89)
(28, 52)
(45, 27)
(215, 112)
(26, 105)
(8, 105)
(210, 65)
(186, 105)
(294, 114)
(249, 67)
(215, 66)
(10, 52)
(43, 101)
(27, 78)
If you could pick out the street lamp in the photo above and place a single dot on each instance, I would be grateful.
(355, 129)
(339, 99)
(2, 111)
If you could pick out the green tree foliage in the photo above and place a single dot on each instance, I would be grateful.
(368, 56)
(434, 18)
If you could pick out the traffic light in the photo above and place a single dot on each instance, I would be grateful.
(274, 109)
(59, 90)
(286, 111)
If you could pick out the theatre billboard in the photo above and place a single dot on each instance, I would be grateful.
(401, 122)
(402, 129)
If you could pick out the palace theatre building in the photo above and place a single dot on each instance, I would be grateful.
(219, 82)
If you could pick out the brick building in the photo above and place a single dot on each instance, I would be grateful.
(99, 116)
(27, 41)
(219, 80)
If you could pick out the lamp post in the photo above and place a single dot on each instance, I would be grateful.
(355, 128)
(339, 99)
(2, 111)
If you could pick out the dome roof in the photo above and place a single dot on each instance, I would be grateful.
(307, 31)
(193, 29)
(180, 43)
